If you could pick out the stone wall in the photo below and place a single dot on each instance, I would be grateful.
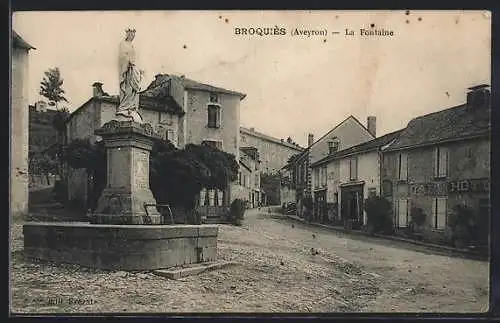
(121, 247)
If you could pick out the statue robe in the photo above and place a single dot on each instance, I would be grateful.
(130, 79)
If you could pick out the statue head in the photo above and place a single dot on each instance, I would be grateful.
(129, 34)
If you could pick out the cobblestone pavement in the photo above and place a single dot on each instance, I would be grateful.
(283, 268)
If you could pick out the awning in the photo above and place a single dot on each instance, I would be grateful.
(353, 183)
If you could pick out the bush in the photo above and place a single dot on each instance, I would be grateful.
(417, 220)
(378, 215)
(60, 191)
(237, 211)
(460, 222)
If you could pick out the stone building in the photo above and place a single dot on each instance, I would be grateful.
(441, 160)
(19, 126)
(274, 153)
(181, 110)
(346, 134)
(249, 177)
(343, 180)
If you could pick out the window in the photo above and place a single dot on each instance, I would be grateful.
(203, 195)
(316, 178)
(353, 168)
(239, 177)
(220, 195)
(214, 98)
(214, 116)
(166, 118)
(323, 176)
(387, 188)
(333, 145)
(439, 210)
(169, 135)
(403, 167)
(402, 213)
(440, 162)
(211, 197)
(212, 143)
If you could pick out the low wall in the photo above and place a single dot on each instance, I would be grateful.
(213, 214)
(120, 247)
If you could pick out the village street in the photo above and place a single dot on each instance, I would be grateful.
(277, 273)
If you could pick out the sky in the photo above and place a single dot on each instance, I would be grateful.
(295, 85)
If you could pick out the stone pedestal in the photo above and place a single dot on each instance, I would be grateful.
(127, 195)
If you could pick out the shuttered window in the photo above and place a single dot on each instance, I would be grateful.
(403, 167)
(439, 211)
(402, 213)
(353, 167)
(441, 162)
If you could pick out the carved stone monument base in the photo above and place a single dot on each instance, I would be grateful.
(127, 198)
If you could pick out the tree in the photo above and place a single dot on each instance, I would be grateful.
(175, 176)
(195, 166)
(82, 154)
(51, 88)
(43, 164)
(271, 184)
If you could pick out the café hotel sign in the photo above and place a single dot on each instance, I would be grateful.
(452, 187)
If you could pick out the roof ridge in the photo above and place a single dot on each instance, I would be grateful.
(440, 111)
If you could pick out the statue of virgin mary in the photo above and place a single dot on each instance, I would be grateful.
(130, 79)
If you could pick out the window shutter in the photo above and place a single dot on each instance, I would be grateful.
(441, 213)
(219, 117)
(408, 209)
(433, 213)
(403, 212)
(396, 213)
(219, 197)
(436, 162)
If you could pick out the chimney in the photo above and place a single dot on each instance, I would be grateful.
(252, 129)
(478, 97)
(97, 89)
(371, 125)
(310, 140)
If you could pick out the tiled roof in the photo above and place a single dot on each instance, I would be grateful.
(191, 84)
(167, 104)
(271, 139)
(361, 148)
(18, 41)
(452, 124)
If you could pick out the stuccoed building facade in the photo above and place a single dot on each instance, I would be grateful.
(439, 161)
(19, 113)
(248, 188)
(273, 152)
(343, 181)
(348, 133)
(179, 109)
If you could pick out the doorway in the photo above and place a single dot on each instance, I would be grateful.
(351, 208)
(320, 206)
